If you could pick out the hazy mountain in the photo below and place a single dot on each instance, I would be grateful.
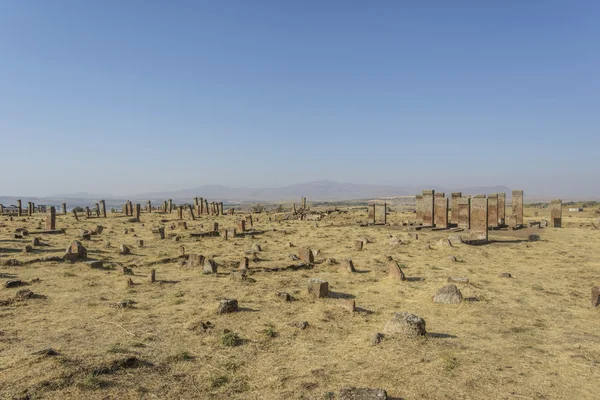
(313, 191)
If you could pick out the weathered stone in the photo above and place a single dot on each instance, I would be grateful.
(124, 250)
(395, 272)
(227, 306)
(441, 211)
(95, 264)
(517, 206)
(14, 283)
(306, 255)
(449, 294)
(85, 235)
(159, 232)
(244, 263)
(75, 252)
(458, 280)
(377, 338)
(464, 212)
(299, 324)
(195, 261)
(50, 219)
(98, 230)
(504, 275)
(479, 219)
(347, 304)
(353, 393)
(358, 245)
(27, 249)
(24, 294)
(209, 266)
(318, 288)
(556, 213)
(35, 241)
(493, 211)
(405, 324)
(428, 207)
(347, 266)
(534, 238)
(284, 296)
(596, 296)
(256, 248)
(140, 243)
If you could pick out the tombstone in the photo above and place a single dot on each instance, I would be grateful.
(318, 288)
(293, 208)
(454, 207)
(493, 211)
(19, 210)
(441, 211)
(149, 206)
(205, 206)
(51, 219)
(1, 209)
(306, 255)
(304, 203)
(64, 208)
(372, 213)
(191, 212)
(511, 221)
(221, 209)
(464, 212)
(75, 251)
(216, 227)
(384, 213)
(249, 220)
(158, 232)
(137, 211)
(479, 218)
(88, 212)
(75, 215)
(596, 296)
(165, 205)
(225, 234)
(152, 276)
(358, 245)
(428, 207)
(556, 213)
(419, 208)
(231, 211)
(97, 210)
(180, 212)
(517, 206)
(241, 225)
(501, 208)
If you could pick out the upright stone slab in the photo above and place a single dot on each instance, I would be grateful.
(304, 203)
(30, 209)
(493, 211)
(441, 211)
(501, 208)
(88, 212)
(464, 212)
(249, 221)
(19, 209)
(191, 212)
(556, 213)
(384, 213)
(428, 207)
(205, 206)
(419, 208)
(102, 205)
(149, 207)
(64, 208)
(180, 212)
(479, 218)
(517, 206)
(170, 206)
(241, 225)
(51, 219)
(454, 207)
(137, 211)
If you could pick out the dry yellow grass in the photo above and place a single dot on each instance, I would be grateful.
(534, 336)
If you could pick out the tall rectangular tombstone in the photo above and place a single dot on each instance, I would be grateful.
(441, 211)
(493, 211)
(454, 207)
(51, 219)
(419, 208)
(464, 212)
(501, 208)
(479, 218)
(428, 207)
(517, 206)
(556, 213)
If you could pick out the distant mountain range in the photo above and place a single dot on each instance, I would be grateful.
(313, 191)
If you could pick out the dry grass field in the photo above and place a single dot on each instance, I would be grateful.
(532, 336)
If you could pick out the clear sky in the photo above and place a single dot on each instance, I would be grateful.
(123, 97)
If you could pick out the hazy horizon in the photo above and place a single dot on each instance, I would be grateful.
(125, 98)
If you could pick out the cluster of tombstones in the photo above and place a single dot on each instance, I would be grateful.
(478, 213)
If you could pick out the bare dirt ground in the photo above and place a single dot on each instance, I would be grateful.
(532, 336)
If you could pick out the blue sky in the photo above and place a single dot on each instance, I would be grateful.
(123, 97)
